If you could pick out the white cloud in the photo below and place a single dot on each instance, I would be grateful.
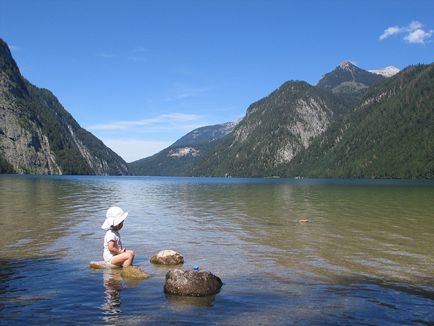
(388, 32)
(183, 91)
(131, 149)
(140, 49)
(414, 33)
(105, 55)
(130, 138)
(138, 54)
(418, 36)
(177, 121)
(414, 25)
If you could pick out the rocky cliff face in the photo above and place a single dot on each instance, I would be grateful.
(293, 114)
(273, 131)
(38, 136)
(24, 151)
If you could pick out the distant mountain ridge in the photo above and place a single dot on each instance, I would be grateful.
(38, 136)
(353, 124)
(180, 157)
(205, 134)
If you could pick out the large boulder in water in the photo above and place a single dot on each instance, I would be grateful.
(192, 283)
(167, 257)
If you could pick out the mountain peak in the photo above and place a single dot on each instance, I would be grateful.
(348, 78)
(11, 78)
(3, 45)
(6, 60)
(347, 65)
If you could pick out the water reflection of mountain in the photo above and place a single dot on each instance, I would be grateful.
(353, 230)
(33, 215)
(36, 211)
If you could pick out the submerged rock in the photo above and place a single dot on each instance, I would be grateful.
(130, 272)
(167, 257)
(134, 273)
(102, 265)
(192, 283)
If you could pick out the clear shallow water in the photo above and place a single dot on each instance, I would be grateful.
(366, 257)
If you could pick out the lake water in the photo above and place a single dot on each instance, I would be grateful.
(365, 257)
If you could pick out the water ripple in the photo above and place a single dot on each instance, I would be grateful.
(365, 257)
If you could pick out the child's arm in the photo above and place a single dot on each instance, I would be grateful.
(114, 249)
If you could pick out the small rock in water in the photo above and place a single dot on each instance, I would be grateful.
(303, 221)
(192, 283)
(167, 257)
(134, 273)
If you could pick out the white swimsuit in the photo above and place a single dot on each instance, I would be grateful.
(111, 236)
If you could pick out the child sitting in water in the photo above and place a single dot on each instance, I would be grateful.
(114, 253)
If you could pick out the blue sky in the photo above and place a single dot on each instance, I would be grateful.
(141, 74)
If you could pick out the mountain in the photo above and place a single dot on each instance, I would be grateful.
(205, 134)
(389, 134)
(179, 158)
(382, 129)
(274, 130)
(389, 71)
(38, 136)
(348, 78)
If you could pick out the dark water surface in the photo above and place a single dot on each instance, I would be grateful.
(365, 257)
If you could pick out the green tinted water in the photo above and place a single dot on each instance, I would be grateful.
(365, 255)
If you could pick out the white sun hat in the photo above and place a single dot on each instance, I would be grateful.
(115, 216)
